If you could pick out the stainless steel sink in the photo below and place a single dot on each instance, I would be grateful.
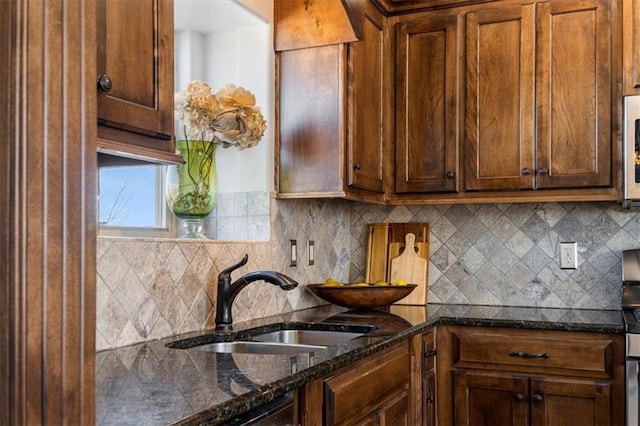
(282, 338)
(307, 337)
(257, 347)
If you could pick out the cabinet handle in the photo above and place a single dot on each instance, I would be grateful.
(526, 171)
(538, 398)
(429, 398)
(429, 354)
(451, 175)
(528, 355)
(543, 171)
(104, 83)
(357, 166)
(518, 397)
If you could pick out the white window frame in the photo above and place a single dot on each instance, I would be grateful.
(163, 215)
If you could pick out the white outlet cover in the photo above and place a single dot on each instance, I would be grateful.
(569, 255)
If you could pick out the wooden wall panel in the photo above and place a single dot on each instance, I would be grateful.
(48, 218)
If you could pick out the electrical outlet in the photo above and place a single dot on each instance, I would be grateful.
(569, 255)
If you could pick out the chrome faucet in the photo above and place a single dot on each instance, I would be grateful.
(228, 291)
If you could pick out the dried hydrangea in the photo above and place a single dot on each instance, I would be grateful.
(230, 117)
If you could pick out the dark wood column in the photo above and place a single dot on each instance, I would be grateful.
(47, 211)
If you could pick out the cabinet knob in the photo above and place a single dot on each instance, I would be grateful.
(357, 166)
(526, 171)
(104, 83)
(543, 171)
(518, 397)
(537, 397)
(451, 175)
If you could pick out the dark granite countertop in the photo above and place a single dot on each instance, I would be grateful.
(152, 384)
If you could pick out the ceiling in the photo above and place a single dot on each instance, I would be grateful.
(210, 16)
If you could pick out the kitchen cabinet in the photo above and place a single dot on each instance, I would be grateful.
(375, 390)
(427, 97)
(428, 359)
(631, 46)
(508, 101)
(331, 124)
(538, 110)
(135, 79)
(531, 377)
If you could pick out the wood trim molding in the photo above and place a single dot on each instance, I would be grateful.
(48, 219)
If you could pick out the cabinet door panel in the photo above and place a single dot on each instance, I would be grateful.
(427, 104)
(490, 399)
(631, 46)
(499, 128)
(574, 94)
(570, 402)
(366, 119)
(396, 411)
(310, 124)
(135, 49)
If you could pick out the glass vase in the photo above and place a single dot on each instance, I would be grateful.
(192, 187)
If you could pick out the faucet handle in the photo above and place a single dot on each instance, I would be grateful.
(226, 273)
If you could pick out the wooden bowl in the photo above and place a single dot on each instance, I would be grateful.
(362, 297)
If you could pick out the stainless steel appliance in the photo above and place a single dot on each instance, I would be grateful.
(631, 151)
(631, 314)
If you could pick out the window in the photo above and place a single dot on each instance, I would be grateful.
(132, 202)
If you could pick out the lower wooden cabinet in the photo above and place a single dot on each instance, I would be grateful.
(498, 376)
(374, 391)
(505, 399)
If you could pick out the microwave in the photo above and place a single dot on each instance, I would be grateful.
(631, 151)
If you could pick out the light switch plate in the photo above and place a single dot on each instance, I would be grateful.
(569, 255)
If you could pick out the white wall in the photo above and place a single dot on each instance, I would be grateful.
(243, 57)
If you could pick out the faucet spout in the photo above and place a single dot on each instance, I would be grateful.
(227, 291)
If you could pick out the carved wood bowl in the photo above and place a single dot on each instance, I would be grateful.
(362, 297)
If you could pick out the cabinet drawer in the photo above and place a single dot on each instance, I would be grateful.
(588, 354)
(367, 386)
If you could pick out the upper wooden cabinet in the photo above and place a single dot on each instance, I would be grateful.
(538, 111)
(493, 101)
(331, 117)
(135, 79)
(631, 46)
(507, 101)
(427, 96)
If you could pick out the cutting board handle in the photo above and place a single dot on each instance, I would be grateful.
(409, 242)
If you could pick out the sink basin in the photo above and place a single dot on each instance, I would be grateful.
(281, 338)
(267, 348)
(307, 337)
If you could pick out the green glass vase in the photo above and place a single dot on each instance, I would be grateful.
(192, 187)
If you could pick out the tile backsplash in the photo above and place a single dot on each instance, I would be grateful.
(489, 254)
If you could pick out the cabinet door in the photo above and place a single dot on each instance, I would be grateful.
(374, 388)
(396, 411)
(631, 46)
(557, 401)
(427, 96)
(490, 399)
(499, 123)
(574, 94)
(135, 50)
(365, 94)
(429, 379)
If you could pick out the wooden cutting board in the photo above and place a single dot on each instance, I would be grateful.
(385, 242)
(412, 268)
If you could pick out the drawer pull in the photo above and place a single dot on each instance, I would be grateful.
(429, 354)
(528, 355)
